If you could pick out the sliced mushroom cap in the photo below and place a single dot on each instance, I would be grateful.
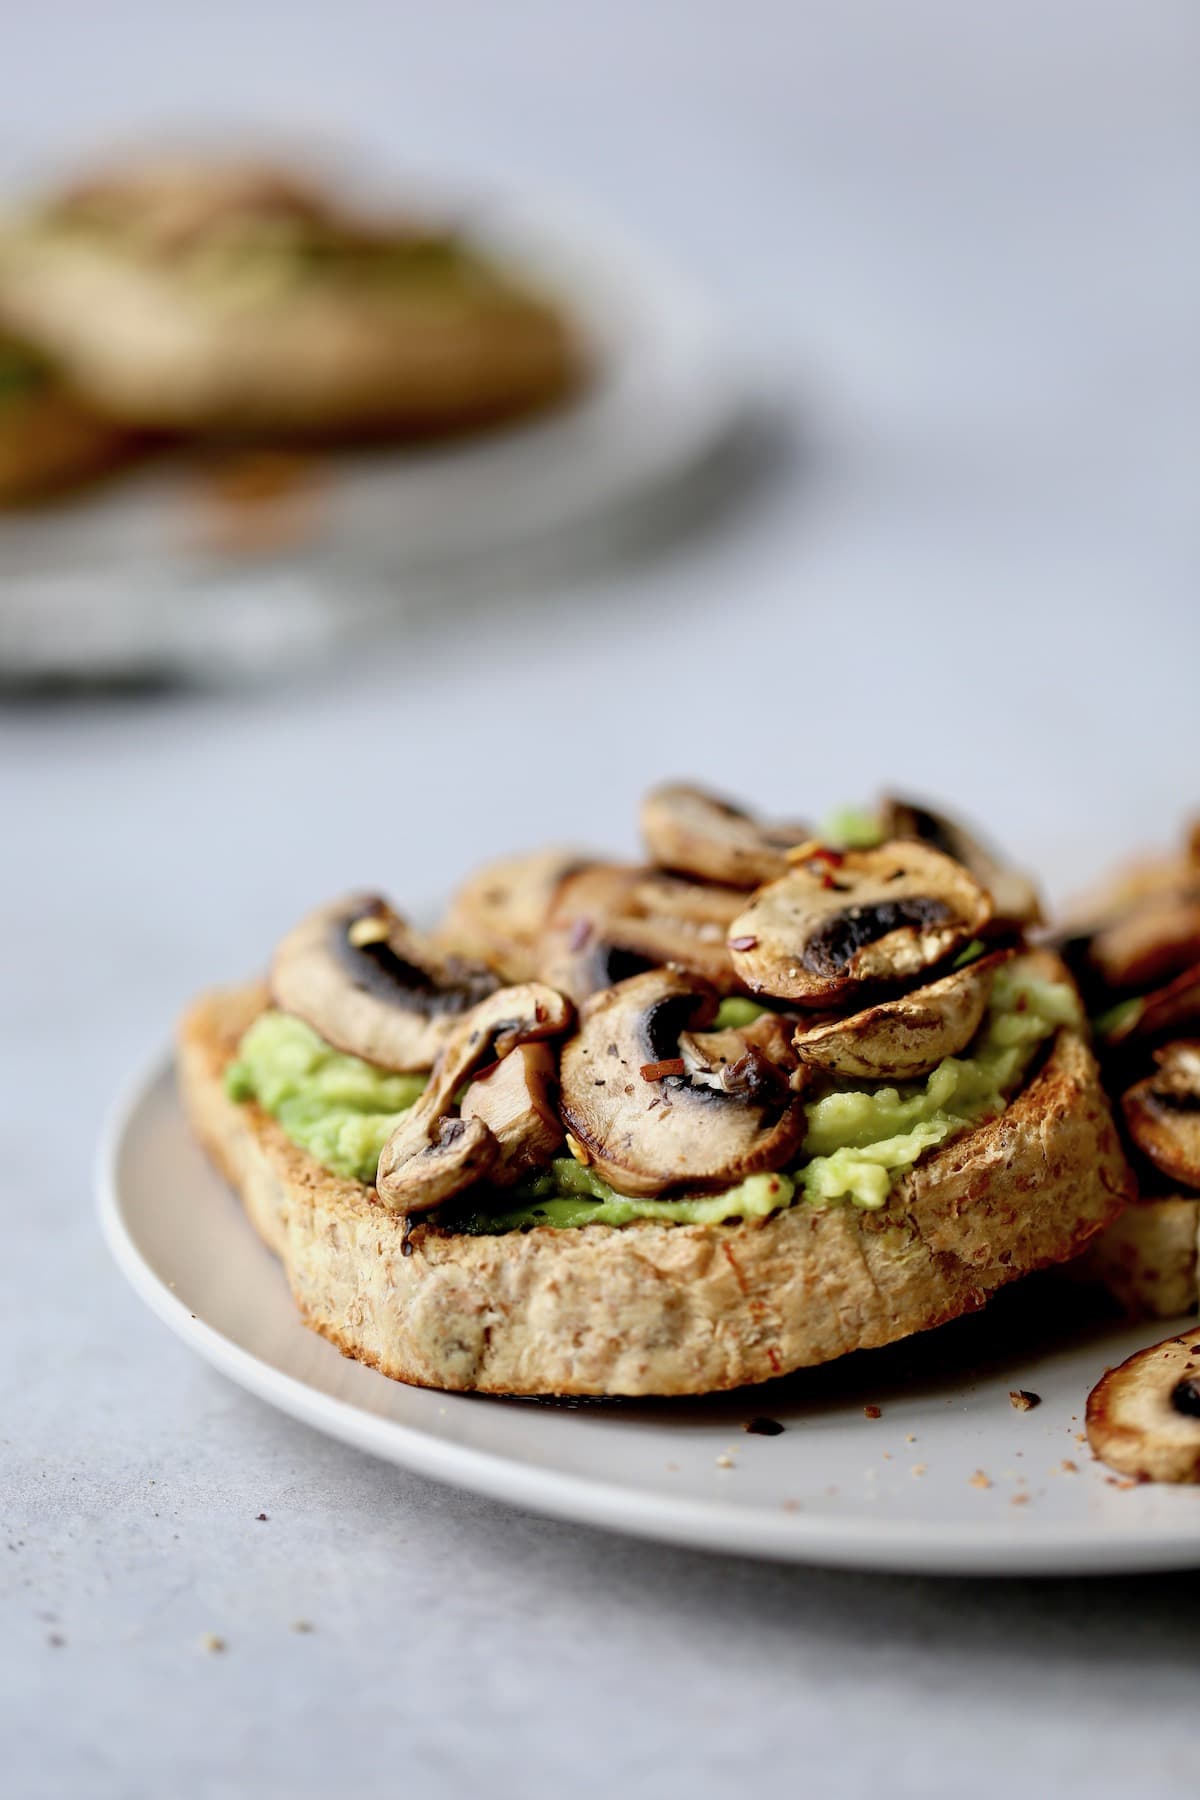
(900, 1039)
(436, 1151)
(611, 922)
(498, 913)
(370, 985)
(841, 920)
(1015, 900)
(1174, 1007)
(646, 1123)
(694, 832)
(1163, 1112)
(1143, 943)
(517, 1099)
(1125, 887)
(672, 920)
(1143, 1418)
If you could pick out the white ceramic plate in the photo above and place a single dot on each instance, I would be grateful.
(949, 1479)
(131, 578)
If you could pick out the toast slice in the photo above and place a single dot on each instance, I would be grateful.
(1147, 1259)
(159, 350)
(662, 1309)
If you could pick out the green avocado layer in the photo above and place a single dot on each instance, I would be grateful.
(570, 1195)
(338, 1108)
(860, 1136)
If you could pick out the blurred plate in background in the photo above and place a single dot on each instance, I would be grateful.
(240, 562)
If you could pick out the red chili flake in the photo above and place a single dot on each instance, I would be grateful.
(743, 943)
(656, 1071)
(821, 860)
(873, 1412)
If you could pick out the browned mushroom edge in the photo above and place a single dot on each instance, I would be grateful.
(613, 921)
(905, 1037)
(1162, 1112)
(842, 921)
(369, 985)
(1015, 901)
(1143, 1417)
(641, 1104)
(498, 914)
(692, 831)
(442, 1144)
(1145, 943)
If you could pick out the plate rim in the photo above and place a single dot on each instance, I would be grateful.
(721, 1527)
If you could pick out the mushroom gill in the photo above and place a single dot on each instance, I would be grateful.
(640, 1099)
(842, 920)
(371, 986)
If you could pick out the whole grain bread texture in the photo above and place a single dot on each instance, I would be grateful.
(663, 1309)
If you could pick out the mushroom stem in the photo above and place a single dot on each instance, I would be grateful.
(516, 1099)
(436, 1151)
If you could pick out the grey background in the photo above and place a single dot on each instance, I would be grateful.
(959, 247)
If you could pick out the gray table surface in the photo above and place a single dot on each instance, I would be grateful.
(962, 248)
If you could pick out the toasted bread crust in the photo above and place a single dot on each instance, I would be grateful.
(663, 1309)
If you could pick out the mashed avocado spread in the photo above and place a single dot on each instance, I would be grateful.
(860, 1137)
(338, 1108)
